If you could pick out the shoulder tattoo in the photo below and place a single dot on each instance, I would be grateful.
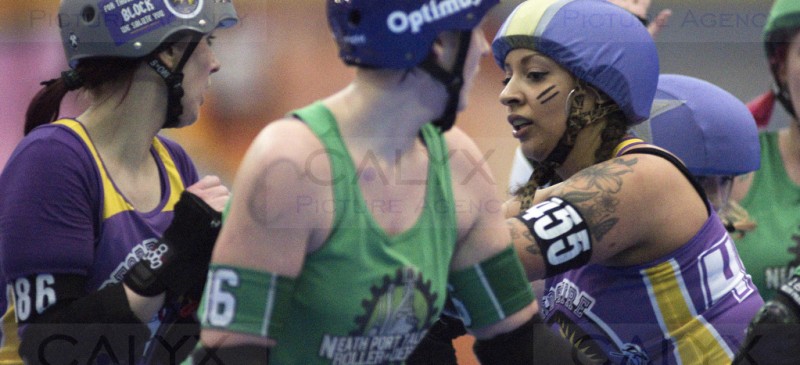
(594, 190)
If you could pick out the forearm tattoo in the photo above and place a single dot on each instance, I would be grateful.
(594, 190)
(530, 243)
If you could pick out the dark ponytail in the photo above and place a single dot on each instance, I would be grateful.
(91, 74)
(44, 107)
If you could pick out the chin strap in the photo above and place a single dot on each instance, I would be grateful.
(782, 94)
(453, 81)
(174, 81)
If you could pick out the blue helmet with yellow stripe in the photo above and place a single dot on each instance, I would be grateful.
(398, 34)
(596, 41)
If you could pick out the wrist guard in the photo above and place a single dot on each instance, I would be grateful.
(774, 332)
(179, 261)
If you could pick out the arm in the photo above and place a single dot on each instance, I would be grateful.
(639, 8)
(620, 205)
(519, 336)
(264, 231)
(50, 294)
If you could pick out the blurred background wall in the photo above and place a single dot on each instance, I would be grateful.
(282, 56)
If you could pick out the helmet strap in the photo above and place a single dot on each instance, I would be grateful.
(174, 81)
(776, 55)
(564, 146)
(453, 80)
(782, 95)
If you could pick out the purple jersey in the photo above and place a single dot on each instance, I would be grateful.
(60, 212)
(691, 307)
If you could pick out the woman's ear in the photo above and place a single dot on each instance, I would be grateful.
(599, 96)
(444, 48)
(171, 55)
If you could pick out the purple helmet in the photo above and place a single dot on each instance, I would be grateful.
(711, 130)
(598, 42)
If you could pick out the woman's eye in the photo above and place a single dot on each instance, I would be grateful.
(536, 76)
(506, 80)
(210, 39)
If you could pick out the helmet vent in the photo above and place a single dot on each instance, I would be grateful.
(354, 18)
(88, 14)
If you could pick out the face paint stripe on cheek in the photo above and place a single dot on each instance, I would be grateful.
(545, 94)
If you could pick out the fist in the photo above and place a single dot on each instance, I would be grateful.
(211, 191)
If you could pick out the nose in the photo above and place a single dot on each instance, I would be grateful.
(215, 64)
(510, 95)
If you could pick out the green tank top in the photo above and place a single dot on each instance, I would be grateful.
(366, 297)
(772, 251)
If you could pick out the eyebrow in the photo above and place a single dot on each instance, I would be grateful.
(527, 59)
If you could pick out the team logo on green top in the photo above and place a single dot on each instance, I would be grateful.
(401, 305)
(395, 319)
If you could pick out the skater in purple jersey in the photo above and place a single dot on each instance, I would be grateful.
(639, 268)
(106, 229)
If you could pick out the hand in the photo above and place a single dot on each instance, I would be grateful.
(659, 22)
(179, 261)
(640, 8)
(211, 191)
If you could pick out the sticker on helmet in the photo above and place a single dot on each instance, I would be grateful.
(185, 9)
(129, 19)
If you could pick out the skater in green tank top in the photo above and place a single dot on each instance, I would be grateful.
(344, 235)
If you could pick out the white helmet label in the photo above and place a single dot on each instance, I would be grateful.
(400, 21)
(128, 19)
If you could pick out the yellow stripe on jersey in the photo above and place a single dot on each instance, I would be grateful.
(624, 144)
(113, 201)
(9, 348)
(694, 340)
(175, 182)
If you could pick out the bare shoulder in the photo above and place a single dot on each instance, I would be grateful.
(277, 177)
(284, 138)
(474, 186)
(469, 164)
(479, 210)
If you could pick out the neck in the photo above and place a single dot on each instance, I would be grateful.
(385, 110)
(123, 124)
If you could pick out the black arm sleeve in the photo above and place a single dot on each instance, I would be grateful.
(98, 325)
(231, 355)
(532, 343)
